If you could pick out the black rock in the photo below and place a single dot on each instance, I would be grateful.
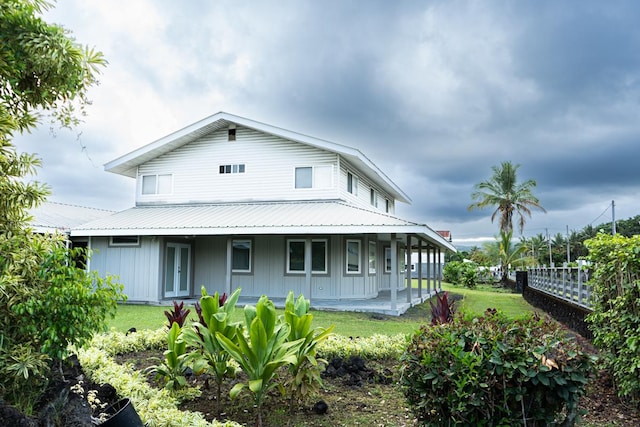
(320, 407)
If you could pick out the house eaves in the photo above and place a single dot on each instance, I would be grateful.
(313, 217)
(127, 165)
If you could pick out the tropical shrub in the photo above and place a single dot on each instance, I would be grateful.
(493, 371)
(172, 371)
(215, 314)
(615, 320)
(444, 310)
(263, 352)
(178, 314)
(461, 273)
(305, 371)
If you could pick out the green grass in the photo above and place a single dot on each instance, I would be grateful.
(348, 323)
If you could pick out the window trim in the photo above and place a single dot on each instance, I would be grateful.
(157, 184)
(359, 258)
(352, 184)
(373, 250)
(242, 271)
(313, 272)
(115, 244)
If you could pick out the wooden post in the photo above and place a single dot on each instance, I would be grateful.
(419, 266)
(394, 272)
(307, 268)
(408, 271)
(228, 266)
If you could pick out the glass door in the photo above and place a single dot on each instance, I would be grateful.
(177, 270)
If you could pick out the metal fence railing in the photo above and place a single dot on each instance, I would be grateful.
(568, 283)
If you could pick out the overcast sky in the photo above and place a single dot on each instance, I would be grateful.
(433, 92)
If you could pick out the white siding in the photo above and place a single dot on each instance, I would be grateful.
(269, 170)
(362, 197)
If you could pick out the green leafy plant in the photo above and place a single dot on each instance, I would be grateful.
(263, 352)
(215, 315)
(615, 319)
(28, 370)
(494, 371)
(461, 273)
(177, 315)
(172, 371)
(305, 371)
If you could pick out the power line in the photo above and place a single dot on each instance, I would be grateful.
(603, 212)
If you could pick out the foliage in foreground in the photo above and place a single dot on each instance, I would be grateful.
(494, 371)
(615, 320)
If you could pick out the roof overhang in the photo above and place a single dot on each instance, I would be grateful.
(279, 218)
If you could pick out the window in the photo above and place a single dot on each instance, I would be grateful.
(314, 177)
(238, 168)
(372, 257)
(231, 134)
(124, 241)
(353, 256)
(387, 205)
(304, 177)
(352, 184)
(296, 255)
(241, 256)
(157, 184)
(374, 198)
(387, 260)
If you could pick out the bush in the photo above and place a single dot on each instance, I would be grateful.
(493, 371)
(461, 273)
(615, 320)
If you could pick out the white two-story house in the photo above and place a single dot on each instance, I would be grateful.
(229, 202)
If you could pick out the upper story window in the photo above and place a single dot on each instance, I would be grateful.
(352, 183)
(314, 176)
(374, 198)
(231, 134)
(387, 205)
(239, 168)
(157, 184)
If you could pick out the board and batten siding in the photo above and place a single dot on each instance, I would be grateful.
(135, 267)
(268, 276)
(269, 161)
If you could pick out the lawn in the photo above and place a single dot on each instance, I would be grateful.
(348, 323)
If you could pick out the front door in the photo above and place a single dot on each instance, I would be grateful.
(178, 270)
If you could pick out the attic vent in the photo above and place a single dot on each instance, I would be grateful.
(232, 133)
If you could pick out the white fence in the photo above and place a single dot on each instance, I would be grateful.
(567, 283)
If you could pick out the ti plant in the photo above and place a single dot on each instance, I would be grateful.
(215, 317)
(177, 315)
(443, 310)
(172, 370)
(305, 371)
(264, 351)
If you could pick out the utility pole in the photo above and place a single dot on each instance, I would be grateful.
(613, 217)
(549, 243)
(568, 250)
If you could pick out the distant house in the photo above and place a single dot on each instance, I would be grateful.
(229, 202)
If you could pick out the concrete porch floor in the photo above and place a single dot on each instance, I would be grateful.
(380, 304)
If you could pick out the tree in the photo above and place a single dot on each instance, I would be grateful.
(46, 303)
(509, 197)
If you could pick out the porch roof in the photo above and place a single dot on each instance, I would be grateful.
(311, 217)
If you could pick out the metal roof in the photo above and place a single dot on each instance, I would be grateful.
(51, 217)
(127, 165)
(310, 217)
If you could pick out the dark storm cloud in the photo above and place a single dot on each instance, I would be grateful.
(435, 93)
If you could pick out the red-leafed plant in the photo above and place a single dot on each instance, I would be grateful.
(177, 315)
(443, 311)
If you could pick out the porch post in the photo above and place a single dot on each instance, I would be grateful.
(393, 284)
(228, 267)
(307, 268)
(439, 270)
(408, 271)
(429, 270)
(419, 267)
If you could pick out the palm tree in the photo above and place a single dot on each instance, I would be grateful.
(509, 253)
(503, 191)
